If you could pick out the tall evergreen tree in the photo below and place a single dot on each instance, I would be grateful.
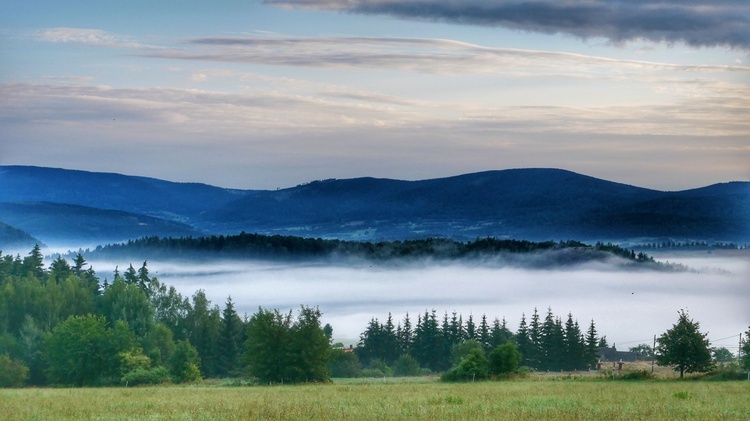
(483, 335)
(471, 328)
(428, 343)
(523, 341)
(534, 359)
(405, 336)
(500, 334)
(575, 348)
(231, 339)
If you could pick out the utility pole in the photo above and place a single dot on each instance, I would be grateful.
(653, 355)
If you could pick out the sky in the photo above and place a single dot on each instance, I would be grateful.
(270, 94)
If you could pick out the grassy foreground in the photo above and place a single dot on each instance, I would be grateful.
(408, 400)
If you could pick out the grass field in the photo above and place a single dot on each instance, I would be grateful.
(390, 399)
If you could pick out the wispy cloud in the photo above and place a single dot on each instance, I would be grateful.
(700, 23)
(93, 37)
(437, 56)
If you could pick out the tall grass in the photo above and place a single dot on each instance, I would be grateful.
(425, 399)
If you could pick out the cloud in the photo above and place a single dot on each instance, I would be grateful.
(626, 306)
(424, 55)
(94, 37)
(699, 23)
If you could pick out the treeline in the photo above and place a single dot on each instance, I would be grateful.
(62, 326)
(692, 245)
(258, 246)
(441, 344)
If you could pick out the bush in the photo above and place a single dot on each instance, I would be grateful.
(726, 372)
(138, 376)
(343, 364)
(372, 372)
(504, 359)
(406, 365)
(13, 373)
(636, 375)
(474, 366)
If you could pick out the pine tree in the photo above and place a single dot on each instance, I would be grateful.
(405, 336)
(534, 359)
(484, 334)
(230, 340)
(523, 341)
(575, 348)
(591, 351)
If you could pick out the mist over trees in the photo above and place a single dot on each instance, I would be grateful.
(523, 253)
(63, 325)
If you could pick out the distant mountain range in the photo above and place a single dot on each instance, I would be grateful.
(57, 205)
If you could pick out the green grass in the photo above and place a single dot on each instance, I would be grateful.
(390, 399)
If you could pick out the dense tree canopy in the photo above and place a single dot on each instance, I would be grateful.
(684, 347)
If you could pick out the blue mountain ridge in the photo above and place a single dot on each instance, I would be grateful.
(535, 204)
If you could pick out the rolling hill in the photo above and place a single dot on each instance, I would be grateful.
(534, 204)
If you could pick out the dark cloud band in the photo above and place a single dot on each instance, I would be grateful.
(700, 23)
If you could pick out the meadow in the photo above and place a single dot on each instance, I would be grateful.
(410, 399)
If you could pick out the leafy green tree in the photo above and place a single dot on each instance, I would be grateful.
(643, 351)
(343, 364)
(406, 366)
(82, 351)
(13, 373)
(463, 349)
(745, 351)
(184, 363)
(722, 355)
(160, 344)
(281, 349)
(504, 359)
(473, 366)
(265, 353)
(309, 348)
(592, 345)
(204, 323)
(125, 301)
(684, 347)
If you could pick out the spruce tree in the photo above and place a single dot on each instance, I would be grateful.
(230, 340)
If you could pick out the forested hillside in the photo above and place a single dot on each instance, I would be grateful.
(290, 248)
(533, 204)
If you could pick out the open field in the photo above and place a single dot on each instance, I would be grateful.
(391, 399)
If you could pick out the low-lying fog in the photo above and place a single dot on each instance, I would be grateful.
(628, 307)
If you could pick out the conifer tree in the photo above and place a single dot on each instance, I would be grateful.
(230, 340)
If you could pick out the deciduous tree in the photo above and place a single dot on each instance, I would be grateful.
(684, 347)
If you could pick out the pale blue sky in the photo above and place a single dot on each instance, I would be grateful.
(249, 94)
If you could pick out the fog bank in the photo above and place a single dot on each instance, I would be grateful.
(629, 307)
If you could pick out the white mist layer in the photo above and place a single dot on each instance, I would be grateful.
(629, 307)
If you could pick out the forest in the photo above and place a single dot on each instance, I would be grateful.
(293, 248)
(63, 325)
